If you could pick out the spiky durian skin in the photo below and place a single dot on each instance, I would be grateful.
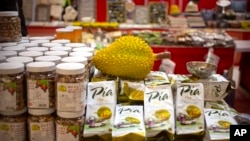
(127, 57)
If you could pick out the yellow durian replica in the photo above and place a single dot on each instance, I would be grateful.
(127, 57)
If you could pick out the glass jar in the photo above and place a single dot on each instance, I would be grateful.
(12, 96)
(41, 124)
(13, 126)
(77, 33)
(10, 27)
(70, 87)
(69, 126)
(65, 33)
(40, 84)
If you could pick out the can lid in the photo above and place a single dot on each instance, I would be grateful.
(55, 59)
(9, 13)
(74, 27)
(86, 54)
(64, 30)
(28, 44)
(20, 59)
(23, 41)
(13, 113)
(14, 48)
(70, 68)
(31, 53)
(8, 53)
(40, 66)
(70, 114)
(56, 53)
(84, 49)
(51, 45)
(2, 58)
(11, 68)
(42, 38)
(40, 41)
(38, 112)
(61, 41)
(42, 49)
(68, 49)
(6, 44)
(74, 45)
(75, 59)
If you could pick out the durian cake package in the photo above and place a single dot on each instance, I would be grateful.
(220, 105)
(189, 104)
(101, 101)
(218, 123)
(128, 123)
(132, 91)
(159, 113)
(99, 76)
(156, 78)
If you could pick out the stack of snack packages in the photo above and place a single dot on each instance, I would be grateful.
(200, 104)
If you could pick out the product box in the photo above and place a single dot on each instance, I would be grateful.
(215, 87)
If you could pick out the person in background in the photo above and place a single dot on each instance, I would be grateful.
(15, 5)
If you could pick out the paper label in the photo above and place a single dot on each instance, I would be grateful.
(42, 131)
(70, 97)
(8, 96)
(12, 131)
(38, 93)
(67, 133)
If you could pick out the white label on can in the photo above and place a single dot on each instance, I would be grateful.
(38, 93)
(67, 133)
(8, 96)
(70, 97)
(42, 131)
(12, 131)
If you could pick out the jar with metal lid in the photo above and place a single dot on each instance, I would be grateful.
(69, 126)
(70, 89)
(10, 26)
(12, 78)
(13, 126)
(41, 124)
(40, 84)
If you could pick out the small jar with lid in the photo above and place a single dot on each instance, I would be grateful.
(57, 53)
(10, 27)
(40, 49)
(69, 126)
(12, 96)
(41, 124)
(13, 125)
(14, 48)
(51, 58)
(87, 49)
(32, 54)
(40, 42)
(70, 89)
(86, 54)
(77, 59)
(75, 45)
(65, 33)
(28, 45)
(77, 33)
(68, 49)
(2, 59)
(20, 59)
(40, 84)
(8, 44)
(61, 41)
(50, 45)
(8, 53)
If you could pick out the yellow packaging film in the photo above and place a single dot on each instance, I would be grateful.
(128, 124)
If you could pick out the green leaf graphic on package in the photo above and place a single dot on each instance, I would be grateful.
(74, 130)
(11, 87)
(43, 84)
